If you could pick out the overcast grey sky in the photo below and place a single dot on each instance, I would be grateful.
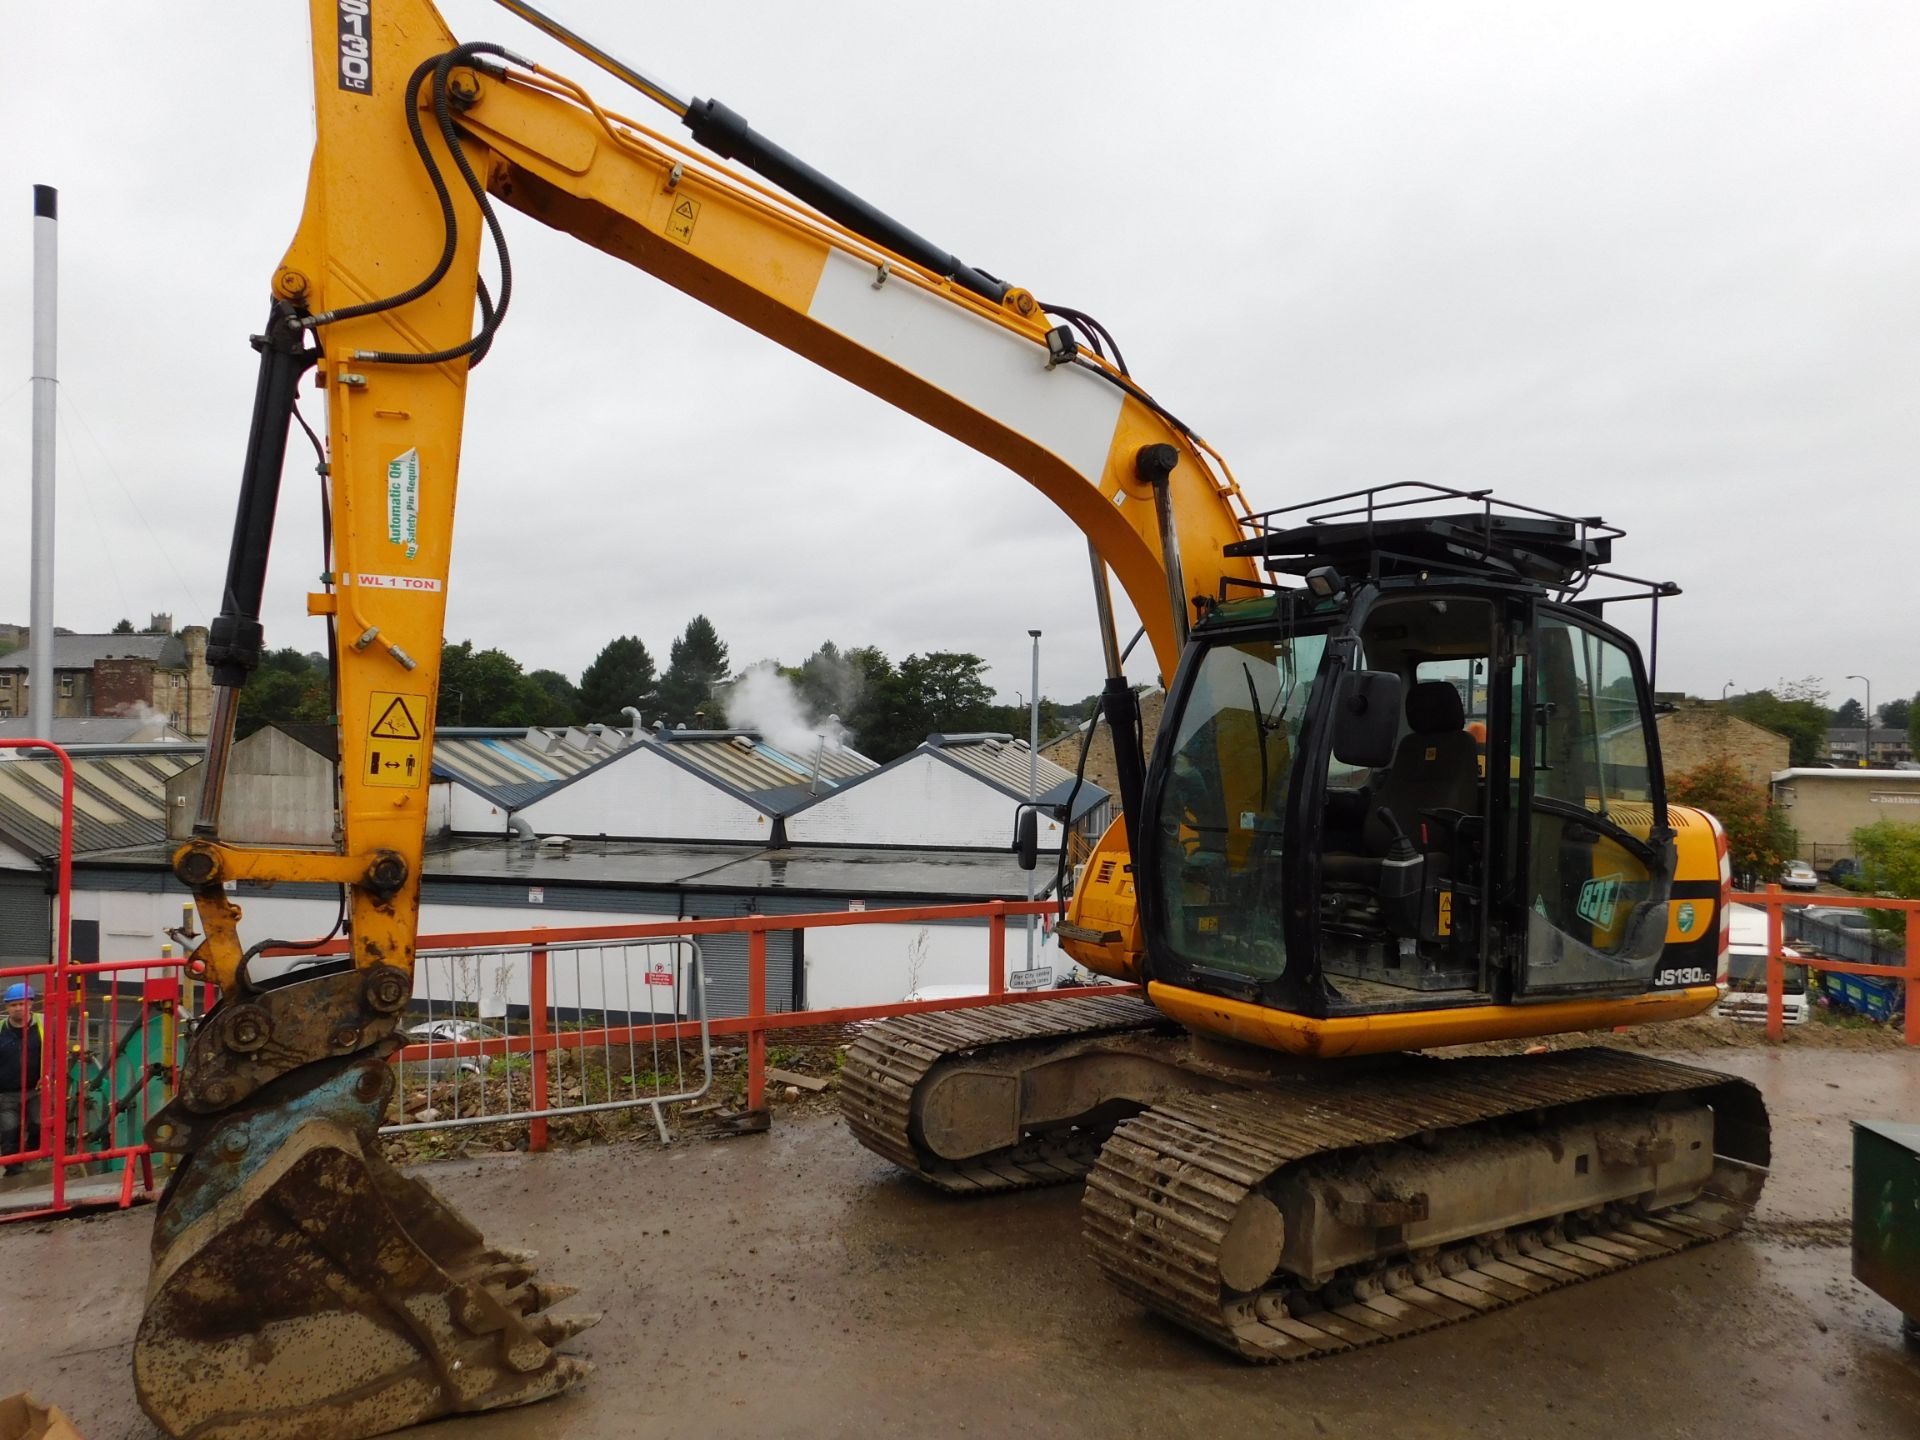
(1653, 261)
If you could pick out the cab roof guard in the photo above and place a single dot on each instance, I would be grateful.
(1397, 531)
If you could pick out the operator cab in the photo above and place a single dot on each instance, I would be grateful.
(1427, 778)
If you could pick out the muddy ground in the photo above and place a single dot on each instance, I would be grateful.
(793, 1285)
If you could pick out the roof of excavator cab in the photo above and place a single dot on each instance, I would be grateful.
(1530, 549)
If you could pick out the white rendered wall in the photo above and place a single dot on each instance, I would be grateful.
(644, 795)
(470, 813)
(922, 802)
(882, 964)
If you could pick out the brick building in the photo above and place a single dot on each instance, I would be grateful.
(145, 675)
(1065, 752)
(1697, 733)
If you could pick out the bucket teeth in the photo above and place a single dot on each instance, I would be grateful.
(309, 1291)
(534, 1295)
(504, 1275)
(552, 1329)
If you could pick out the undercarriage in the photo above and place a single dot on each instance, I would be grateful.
(1286, 1209)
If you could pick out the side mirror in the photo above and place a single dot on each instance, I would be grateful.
(1366, 718)
(1026, 837)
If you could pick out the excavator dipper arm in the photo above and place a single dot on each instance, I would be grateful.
(301, 1286)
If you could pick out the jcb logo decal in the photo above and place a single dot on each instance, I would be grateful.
(356, 46)
(1598, 899)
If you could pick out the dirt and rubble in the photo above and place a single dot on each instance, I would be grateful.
(790, 1284)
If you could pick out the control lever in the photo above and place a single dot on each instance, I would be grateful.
(1402, 877)
(1402, 848)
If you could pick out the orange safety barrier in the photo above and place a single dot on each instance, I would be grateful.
(62, 975)
(1776, 902)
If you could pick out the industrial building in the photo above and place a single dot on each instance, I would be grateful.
(1825, 806)
(568, 826)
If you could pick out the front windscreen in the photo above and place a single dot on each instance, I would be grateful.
(1746, 971)
(1224, 796)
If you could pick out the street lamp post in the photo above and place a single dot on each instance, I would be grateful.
(1723, 691)
(1866, 739)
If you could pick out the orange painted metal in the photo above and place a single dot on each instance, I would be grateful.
(1391, 1031)
(543, 1040)
(997, 952)
(1775, 901)
(757, 1007)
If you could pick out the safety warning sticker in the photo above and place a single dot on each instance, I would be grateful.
(403, 501)
(680, 223)
(396, 749)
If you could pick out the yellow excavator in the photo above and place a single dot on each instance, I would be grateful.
(1406, 795)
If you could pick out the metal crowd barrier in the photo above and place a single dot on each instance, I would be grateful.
(519, 1033)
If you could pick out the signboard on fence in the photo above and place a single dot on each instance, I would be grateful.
(660, 971)
(1038, 978)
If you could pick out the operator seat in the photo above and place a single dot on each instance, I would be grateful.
(1435, 767)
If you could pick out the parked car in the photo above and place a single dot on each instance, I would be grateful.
(1841, 871)
(1799, 875)
(1745, 996)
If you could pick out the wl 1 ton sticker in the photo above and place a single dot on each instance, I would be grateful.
(424, 584)
(403, 501)
(396, 744)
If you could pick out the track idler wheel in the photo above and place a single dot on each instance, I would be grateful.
(303, 1289)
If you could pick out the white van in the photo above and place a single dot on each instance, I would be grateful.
(1745, 995)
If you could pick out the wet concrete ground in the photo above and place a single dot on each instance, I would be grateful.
(793, 1285)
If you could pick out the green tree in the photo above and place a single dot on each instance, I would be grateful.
(1017, 720)
(869, 674)
(124, 627)
(1851, 715)
(941, 691)
(1913, 725)
(563, 698)
(1759, 838)
(488, 687)
(620, 675)
(829, 683)
(696, 665)
(287, 687)
(1896, 714)
(1889, 852)
(1795, 709)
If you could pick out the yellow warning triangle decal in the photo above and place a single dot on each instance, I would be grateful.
(396, 722)
(684, 210)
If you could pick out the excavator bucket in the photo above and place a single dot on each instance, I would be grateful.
(302, 1287)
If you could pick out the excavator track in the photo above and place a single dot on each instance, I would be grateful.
(1177, 1203)
(889, 1064)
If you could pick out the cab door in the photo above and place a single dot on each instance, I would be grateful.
(1596, 858)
